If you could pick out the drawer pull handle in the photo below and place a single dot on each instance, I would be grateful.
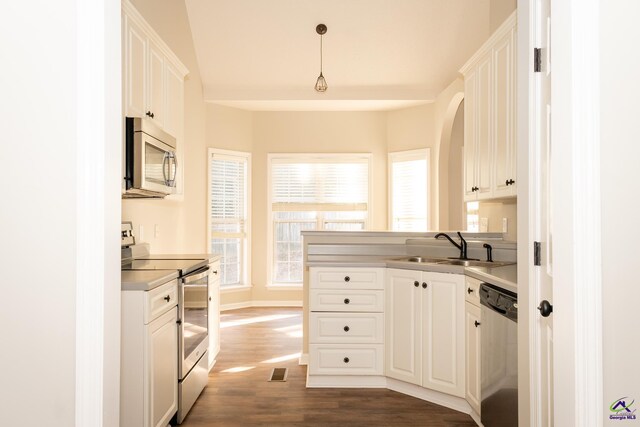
(416, 283)
(346, 329)
(167, 298)
(347, 300)
(209, 298)
(424, 285)
(346, 360)
(347, 278)
(215, 272)
(469, 290)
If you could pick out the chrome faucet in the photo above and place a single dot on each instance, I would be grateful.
(462, 245)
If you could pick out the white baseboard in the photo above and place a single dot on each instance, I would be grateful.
(456, 403)
(476, 418)
(304, 359)
(253, 303)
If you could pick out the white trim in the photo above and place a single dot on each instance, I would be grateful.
(97, 305)
(246, 273)
(398, 156)
(346, 381)
(309, 156)
(456, 403)
(284, 286)
(235, 288)
(254, 303)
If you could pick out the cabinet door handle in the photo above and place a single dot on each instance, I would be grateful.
(215, 272)
(424, 285)
(346, 329)
(346, 360)
(347, 278)
(476, 323)
(209, 298)
(347, 300)
(416, 283)
(469, 290)
(167, 298)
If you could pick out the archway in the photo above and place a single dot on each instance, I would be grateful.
(450, 166)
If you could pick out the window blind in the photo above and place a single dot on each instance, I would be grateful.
(409, 193)
(228, 189)
(322, 184)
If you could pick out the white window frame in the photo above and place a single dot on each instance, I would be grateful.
(418, 154)
(245, 282)
(310, 158)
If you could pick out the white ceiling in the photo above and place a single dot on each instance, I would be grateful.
(377, 54)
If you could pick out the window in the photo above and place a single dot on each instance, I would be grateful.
(313, 192)
(228, 219)
(408, 187)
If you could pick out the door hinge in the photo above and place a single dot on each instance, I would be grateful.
(536, 254)
(537, 59)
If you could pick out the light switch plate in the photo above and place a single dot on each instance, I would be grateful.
(156, 231)
(505, 225)
(484, 225)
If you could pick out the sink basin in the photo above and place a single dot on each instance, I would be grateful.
(423, 260)
(473, 263)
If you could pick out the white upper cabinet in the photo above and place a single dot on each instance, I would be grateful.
(135, 64)
(153, 75)
(490, 117)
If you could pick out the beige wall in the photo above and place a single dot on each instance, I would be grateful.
(499, 10)
(495, 212)
(410, 129)
(620, 152)
(311, 132)
(181, 219)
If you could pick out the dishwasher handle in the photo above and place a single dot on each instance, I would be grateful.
(196, 275)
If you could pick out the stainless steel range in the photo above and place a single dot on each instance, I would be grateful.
(193, 306)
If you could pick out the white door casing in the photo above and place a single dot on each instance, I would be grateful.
(542, 285)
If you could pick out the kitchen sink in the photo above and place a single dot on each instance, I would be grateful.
(474, 263)
(422, 260)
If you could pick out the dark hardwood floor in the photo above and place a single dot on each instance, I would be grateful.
(256, 340)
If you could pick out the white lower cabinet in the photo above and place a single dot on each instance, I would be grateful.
(424, 325)
(346, 322)
(149, 361)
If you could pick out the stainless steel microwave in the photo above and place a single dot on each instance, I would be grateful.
(151, 165)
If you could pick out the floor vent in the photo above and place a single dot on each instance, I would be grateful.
(278, 374)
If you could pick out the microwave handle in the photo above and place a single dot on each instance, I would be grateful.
(172, 182)
(165, 159)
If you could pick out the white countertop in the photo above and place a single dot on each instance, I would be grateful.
(145, 280)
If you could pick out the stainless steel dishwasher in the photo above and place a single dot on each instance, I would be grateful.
(498, 357)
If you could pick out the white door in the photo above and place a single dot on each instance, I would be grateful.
(470, 135)
(542, 224)
(443, 332)
(403, 331)
(483, 126)
(156, 95)
(162, 335)
(135, 68)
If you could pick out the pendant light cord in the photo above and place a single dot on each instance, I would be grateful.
(320, 54)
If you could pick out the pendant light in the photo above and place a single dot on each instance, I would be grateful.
(321, 83)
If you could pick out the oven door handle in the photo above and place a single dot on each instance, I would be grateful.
(196, 275)
(196, 286)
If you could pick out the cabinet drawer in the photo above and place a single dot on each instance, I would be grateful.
(336, 359)
(472, 290)
(346, 328)
(160, 300)
(346, 300)
(346, 278)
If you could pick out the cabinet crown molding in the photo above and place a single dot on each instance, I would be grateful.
(129, 9)
(509, 24)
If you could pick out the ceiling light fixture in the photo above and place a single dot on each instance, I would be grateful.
(321, 83)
